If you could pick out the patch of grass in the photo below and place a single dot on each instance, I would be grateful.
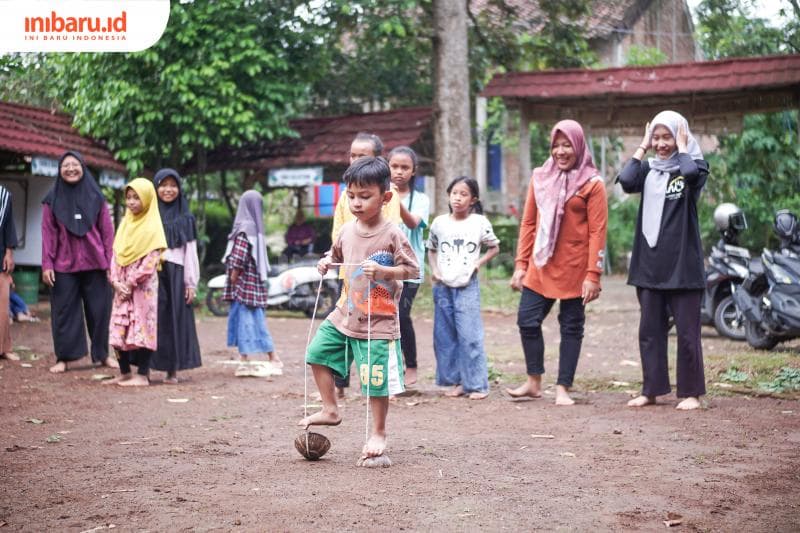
(734, 375)
(757, 371)
(496, 296)
(786, 380)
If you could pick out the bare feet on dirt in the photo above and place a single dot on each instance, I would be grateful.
(688, 404)
(532, 388)
(375, 446)
(171, 379)
(59, 367)
(341, 393)
(11, 356)
(110, 362)
(562, 396)
(411, 376)
(641, 401)
(322, 418)
(137, 380)
(455, 392)
(275, 360)
(478, 395)
(118, 379)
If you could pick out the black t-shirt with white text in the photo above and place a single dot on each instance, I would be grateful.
(676, 262)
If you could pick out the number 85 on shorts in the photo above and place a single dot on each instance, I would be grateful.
(384, 375)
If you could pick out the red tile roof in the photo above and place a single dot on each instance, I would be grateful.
(326, 140)
(682, 78)
(36, 131)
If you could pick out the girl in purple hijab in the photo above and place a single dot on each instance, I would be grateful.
(246, 268)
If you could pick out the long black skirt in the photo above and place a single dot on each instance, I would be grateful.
(178, 348)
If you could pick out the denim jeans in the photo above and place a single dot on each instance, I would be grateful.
(247, 329)
(533, 309)
(408, 338)
(458, 337)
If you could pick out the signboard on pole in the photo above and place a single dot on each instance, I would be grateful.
(294, 177)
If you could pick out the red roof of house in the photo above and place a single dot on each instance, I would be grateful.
(326, 140)
(36, 131)
(680, 78)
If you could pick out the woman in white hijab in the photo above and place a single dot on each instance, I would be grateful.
(667, 260)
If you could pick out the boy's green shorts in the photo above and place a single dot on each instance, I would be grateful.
(332, 348)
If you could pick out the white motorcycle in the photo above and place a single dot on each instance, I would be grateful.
(292, 287)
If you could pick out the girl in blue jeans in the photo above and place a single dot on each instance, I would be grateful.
(454, 252)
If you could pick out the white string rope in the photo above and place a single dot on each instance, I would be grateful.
(305, 364)
(369, 357)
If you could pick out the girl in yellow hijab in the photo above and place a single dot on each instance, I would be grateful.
(138, 245)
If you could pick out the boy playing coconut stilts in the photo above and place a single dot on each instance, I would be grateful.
(376, 257)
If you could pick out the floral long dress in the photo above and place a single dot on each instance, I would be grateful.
(134, 320)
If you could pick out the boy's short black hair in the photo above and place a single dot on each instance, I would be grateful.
(367, 171)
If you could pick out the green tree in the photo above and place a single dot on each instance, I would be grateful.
(224, 73)
(759, 168)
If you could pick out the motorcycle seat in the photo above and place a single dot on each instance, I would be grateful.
(756, 266)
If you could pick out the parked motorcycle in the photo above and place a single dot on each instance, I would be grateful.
(292, 287)
(728, 266)
(769, 298)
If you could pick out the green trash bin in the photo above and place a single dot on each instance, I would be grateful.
(26, 284)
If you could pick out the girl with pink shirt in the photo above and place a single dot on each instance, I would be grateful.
(138, 245)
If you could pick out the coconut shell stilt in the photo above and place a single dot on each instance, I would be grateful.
(312, 446)
(379, 461)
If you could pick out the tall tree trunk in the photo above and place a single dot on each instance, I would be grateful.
(451, 134)
(202, 196)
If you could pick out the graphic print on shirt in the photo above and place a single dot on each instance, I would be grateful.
(675, 188)
(458, 251)
(380, 299)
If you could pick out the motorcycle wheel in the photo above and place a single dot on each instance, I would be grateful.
(216, 304)
(327, 300)
(725, 320)
(757, 336)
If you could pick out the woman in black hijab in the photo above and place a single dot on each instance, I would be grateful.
(77, 240)
(178, 348)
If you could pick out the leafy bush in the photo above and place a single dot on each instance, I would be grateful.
(622, 215)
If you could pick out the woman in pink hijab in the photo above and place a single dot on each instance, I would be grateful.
(562, 236)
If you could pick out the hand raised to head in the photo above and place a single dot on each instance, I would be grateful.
(682, 139)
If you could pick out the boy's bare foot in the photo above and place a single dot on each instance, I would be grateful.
(455, 392)
(687, 404)
(374, 447)
(562, 396)
(170, 380)
(340, 393)
(11, 356)
(137, 380)
(322, 418)
(641, 401)
(59, 368)
(118, 379)
(411, 376)
(478, 395)
(110, 362)
(526, 390)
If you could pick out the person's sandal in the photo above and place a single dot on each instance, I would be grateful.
(242, 371)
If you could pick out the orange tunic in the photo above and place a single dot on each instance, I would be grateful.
(580, 244)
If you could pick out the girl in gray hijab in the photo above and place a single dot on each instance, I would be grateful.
(667, 259)
(246, 267)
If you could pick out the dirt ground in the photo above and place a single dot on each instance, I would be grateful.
(222, 459)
